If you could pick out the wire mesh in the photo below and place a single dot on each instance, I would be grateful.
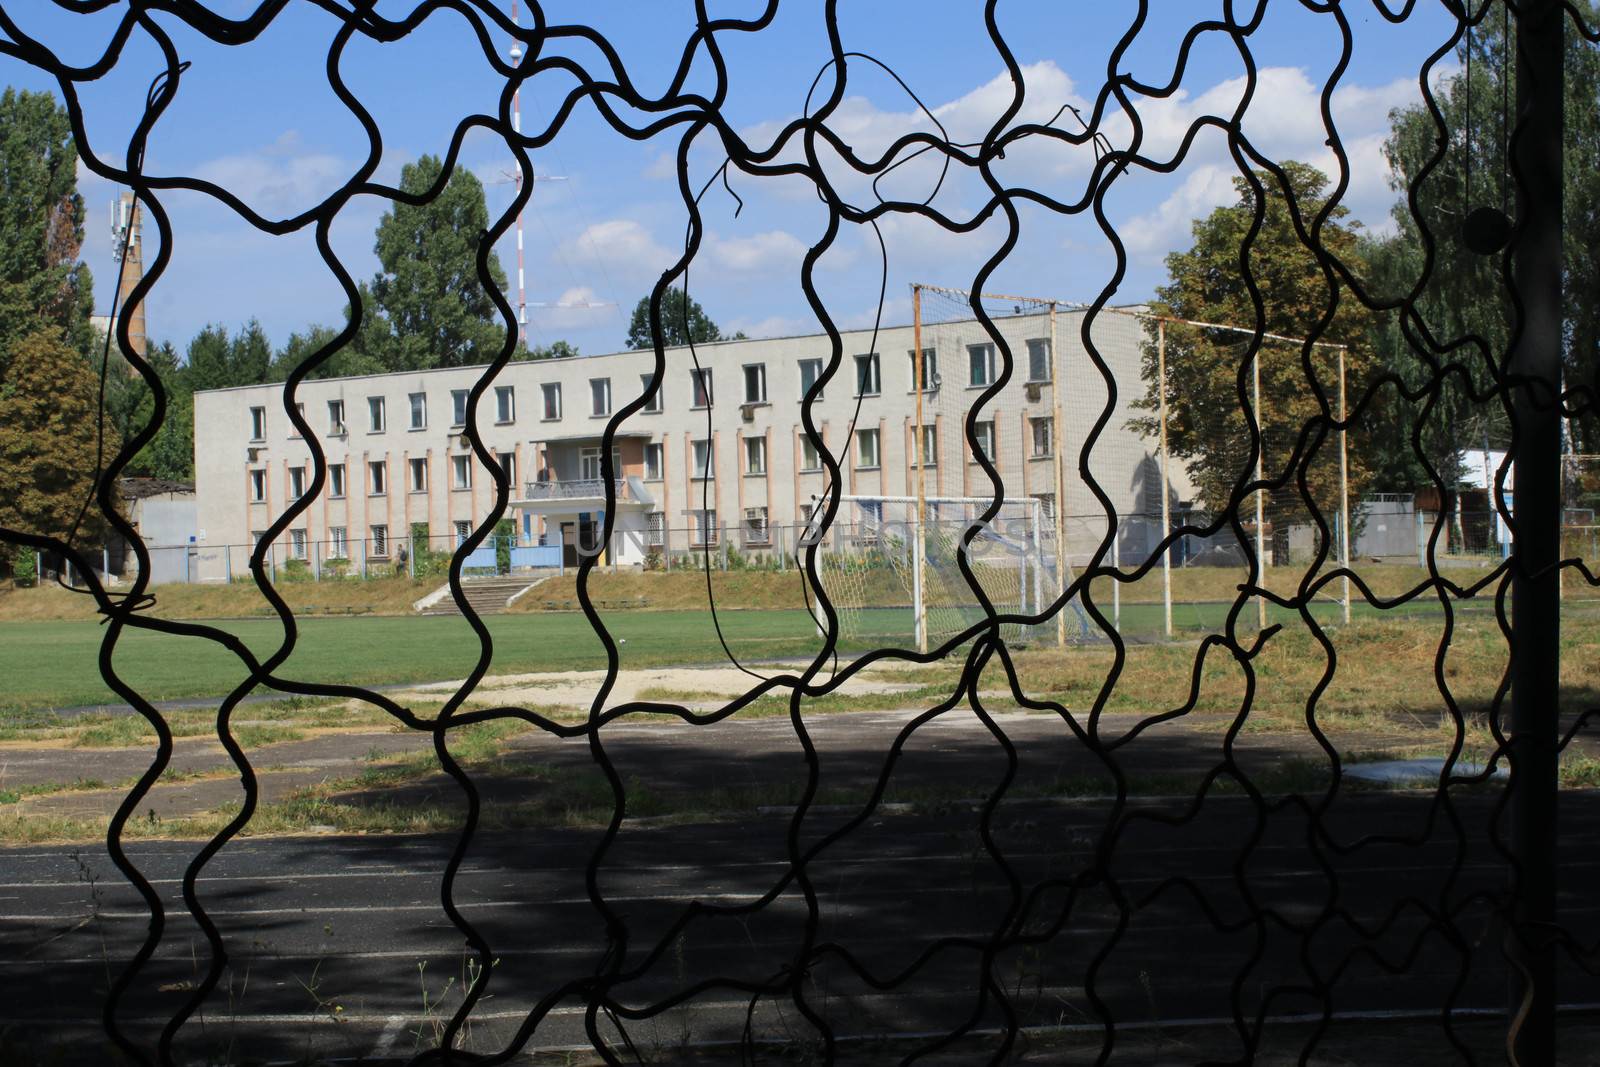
(1120, 832)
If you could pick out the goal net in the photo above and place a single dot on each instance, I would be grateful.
(883, 587)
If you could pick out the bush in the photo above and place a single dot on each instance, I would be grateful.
(294, 570)
(24, 568)
(653, 561)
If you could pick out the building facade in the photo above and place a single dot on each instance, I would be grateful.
(717, 455)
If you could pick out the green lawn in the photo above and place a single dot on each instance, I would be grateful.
(48, 664)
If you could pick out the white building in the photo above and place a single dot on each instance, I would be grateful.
(718, 452)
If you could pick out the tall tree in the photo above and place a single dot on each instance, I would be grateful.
(1464, 294)
(42, 284)
(683, 320)
(427, 306)
(47, 461)
(1207, 426)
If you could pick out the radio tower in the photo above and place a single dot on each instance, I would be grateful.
(516, 126)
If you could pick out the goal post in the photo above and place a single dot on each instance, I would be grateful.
(892, 565)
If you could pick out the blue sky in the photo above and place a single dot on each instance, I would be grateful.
(262, 120)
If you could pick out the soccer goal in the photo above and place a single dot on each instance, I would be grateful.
(886, 581)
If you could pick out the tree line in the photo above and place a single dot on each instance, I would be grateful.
(1463, 311)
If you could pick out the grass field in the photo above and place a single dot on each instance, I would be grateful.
(364, 633)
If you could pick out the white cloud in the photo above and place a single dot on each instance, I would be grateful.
(759, 252)
(280, 179)
(620, 245)
(771, 326)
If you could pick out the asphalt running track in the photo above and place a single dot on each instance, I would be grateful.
(333, 939)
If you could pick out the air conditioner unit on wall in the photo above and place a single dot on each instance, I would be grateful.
(747, 412)
(1033, 390)
(252, 453)
(462, 441)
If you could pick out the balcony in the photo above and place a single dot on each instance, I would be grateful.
(582, 494)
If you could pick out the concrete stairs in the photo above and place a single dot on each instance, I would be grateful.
(488, 596)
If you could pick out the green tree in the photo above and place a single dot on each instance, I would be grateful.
(553, 350)
(683, 320)
(1207, 427)
(42, 284)
(1464, 294)
(47, 461)
(426, 306)
(346, 362)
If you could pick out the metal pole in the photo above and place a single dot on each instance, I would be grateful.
(1116, 586)
(1536, 605)
(1261, 452)
(1344, 492)
(1059, 447)
(1166, 484)
(919, 607)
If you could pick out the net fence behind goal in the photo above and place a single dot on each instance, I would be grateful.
(883, 587)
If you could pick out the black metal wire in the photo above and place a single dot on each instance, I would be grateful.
(1035, 911)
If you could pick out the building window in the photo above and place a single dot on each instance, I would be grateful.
(652, 462)
(1043, 436)
(985, 435)
(810, 458)
(755, 383)
(461, 472)
(380, 540)
(930, 369)
(810, 374)
(980, 364)
(755, 526)
(419, 476)
(871, 527)
(701, 380)
(336, 418)
(258, 424)
(656, 527)
(294, 429)
(258, 538)
(868, 380)
(755, 455)
(458, 406)
(505, 404)
(600, 395)
(866, 448)
(297, 544)
(258, 485)
(297, 481)
(463, 531)
(508, 466)
(1039, 362)
(704, 460)
(589, 464)
(705, 526)
(338, 542)
(652, 397)
(930, 446)
(419, 411)
(375, 414)
(378, 477)
(1047, 506)
(336, 479)
(552, 401)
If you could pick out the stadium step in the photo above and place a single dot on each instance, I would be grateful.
(488, 596)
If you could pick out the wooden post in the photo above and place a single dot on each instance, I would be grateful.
(1344, 491)
(1060, 433)
(1166, 483)
(919, 551)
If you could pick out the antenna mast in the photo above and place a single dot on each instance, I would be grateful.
(516, 126)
